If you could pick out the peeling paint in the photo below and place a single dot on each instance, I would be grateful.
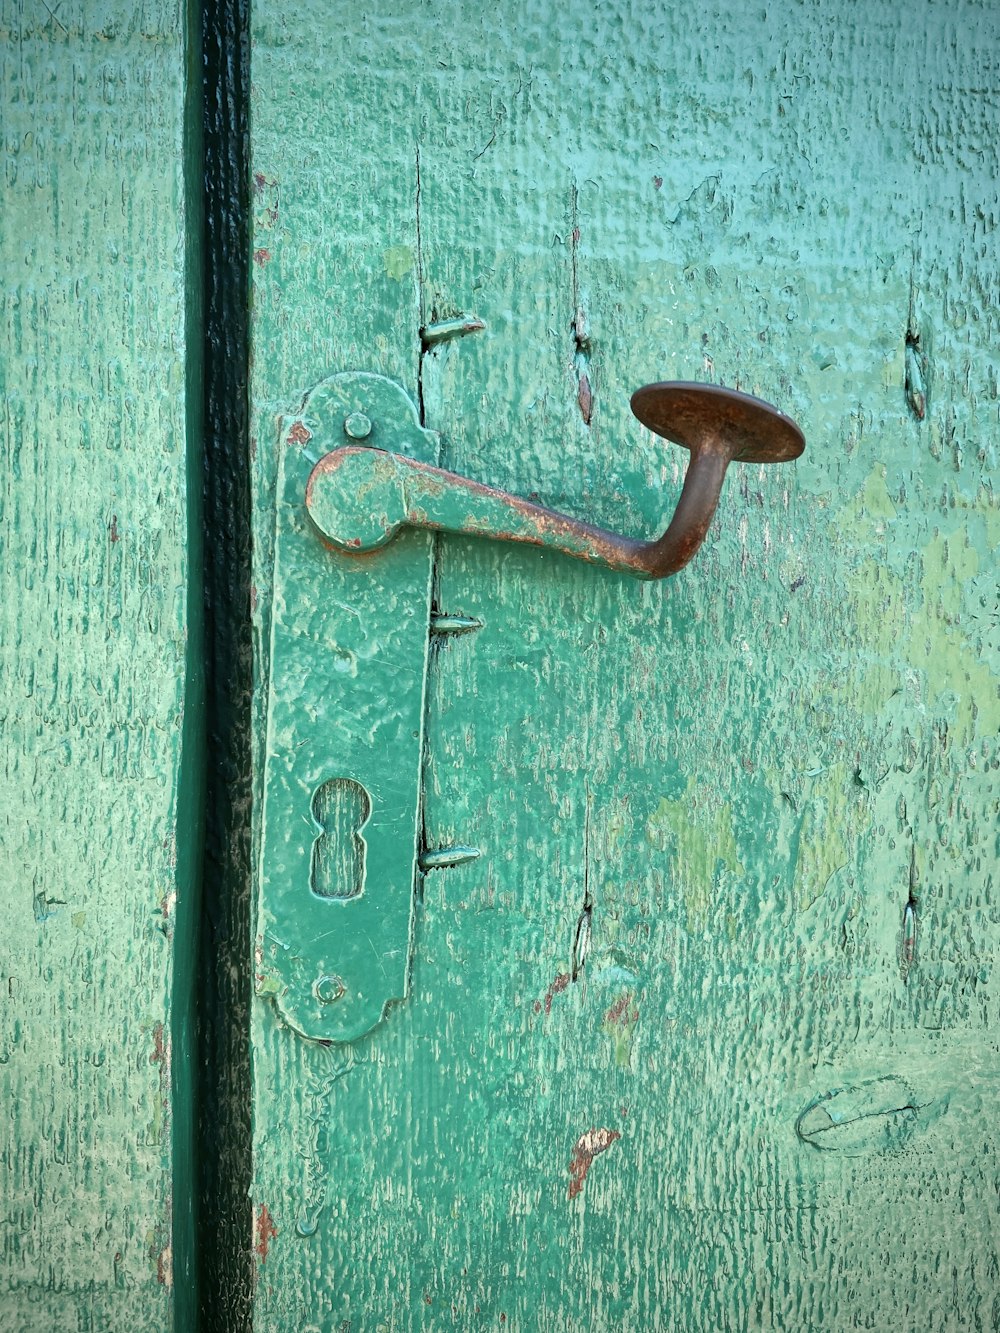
(558, 986)
(697, 832)
(264, 1232)
(587, 1147)
(165, 1267)
(398, 261)
(619, 1023)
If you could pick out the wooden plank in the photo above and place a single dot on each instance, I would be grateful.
(768, 792)
(99, 641)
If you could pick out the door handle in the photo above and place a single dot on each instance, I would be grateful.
(340, 838)
(359, 495)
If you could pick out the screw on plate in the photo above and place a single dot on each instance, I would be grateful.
(357, 426)
(329, 989)
(359, 497)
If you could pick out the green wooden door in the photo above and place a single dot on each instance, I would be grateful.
(704, 1034)
(101, 664)
(705, 1037)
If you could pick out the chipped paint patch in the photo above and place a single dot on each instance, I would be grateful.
(619, 1023)
(698, 832)
(167, 906)
(160, 1055)
(160, 1254)
(45, 908)
(587, 1147)
(835, 817)
(558, 985)
(299, 433)
(957, 667)
(585, 398)
(398, 261)
(264, 1232)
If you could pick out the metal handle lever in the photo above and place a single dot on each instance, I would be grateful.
(359, 496)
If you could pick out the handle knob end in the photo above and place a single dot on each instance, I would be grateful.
(705, 416)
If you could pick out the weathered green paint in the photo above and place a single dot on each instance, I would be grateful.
(753, 812)
(349, 643)
(100, 665)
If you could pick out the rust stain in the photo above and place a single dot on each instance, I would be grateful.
(658, 182)
(558, 985)
(587, 1147)
(161, 1057)
(113, 534)
(622, 1013)
(269, 184)
(261, 257)
(585, 398)
(264, 1232)
(299, 434)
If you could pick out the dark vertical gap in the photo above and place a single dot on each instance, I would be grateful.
(582, 931)
(183, 924)
(421, 348)
(224, 1222)
(422, 352)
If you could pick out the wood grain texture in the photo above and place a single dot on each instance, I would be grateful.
(99, 803)
(766, 795)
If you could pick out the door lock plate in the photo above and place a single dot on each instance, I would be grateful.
(344, 734)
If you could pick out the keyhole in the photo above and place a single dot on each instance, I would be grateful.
(341, 808)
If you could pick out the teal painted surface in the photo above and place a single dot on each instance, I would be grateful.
(100, 666)
(705, 1036)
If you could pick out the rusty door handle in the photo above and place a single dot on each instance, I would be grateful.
(340, 822)
(359, 495)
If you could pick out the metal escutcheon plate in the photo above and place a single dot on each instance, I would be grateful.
(345, 704)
